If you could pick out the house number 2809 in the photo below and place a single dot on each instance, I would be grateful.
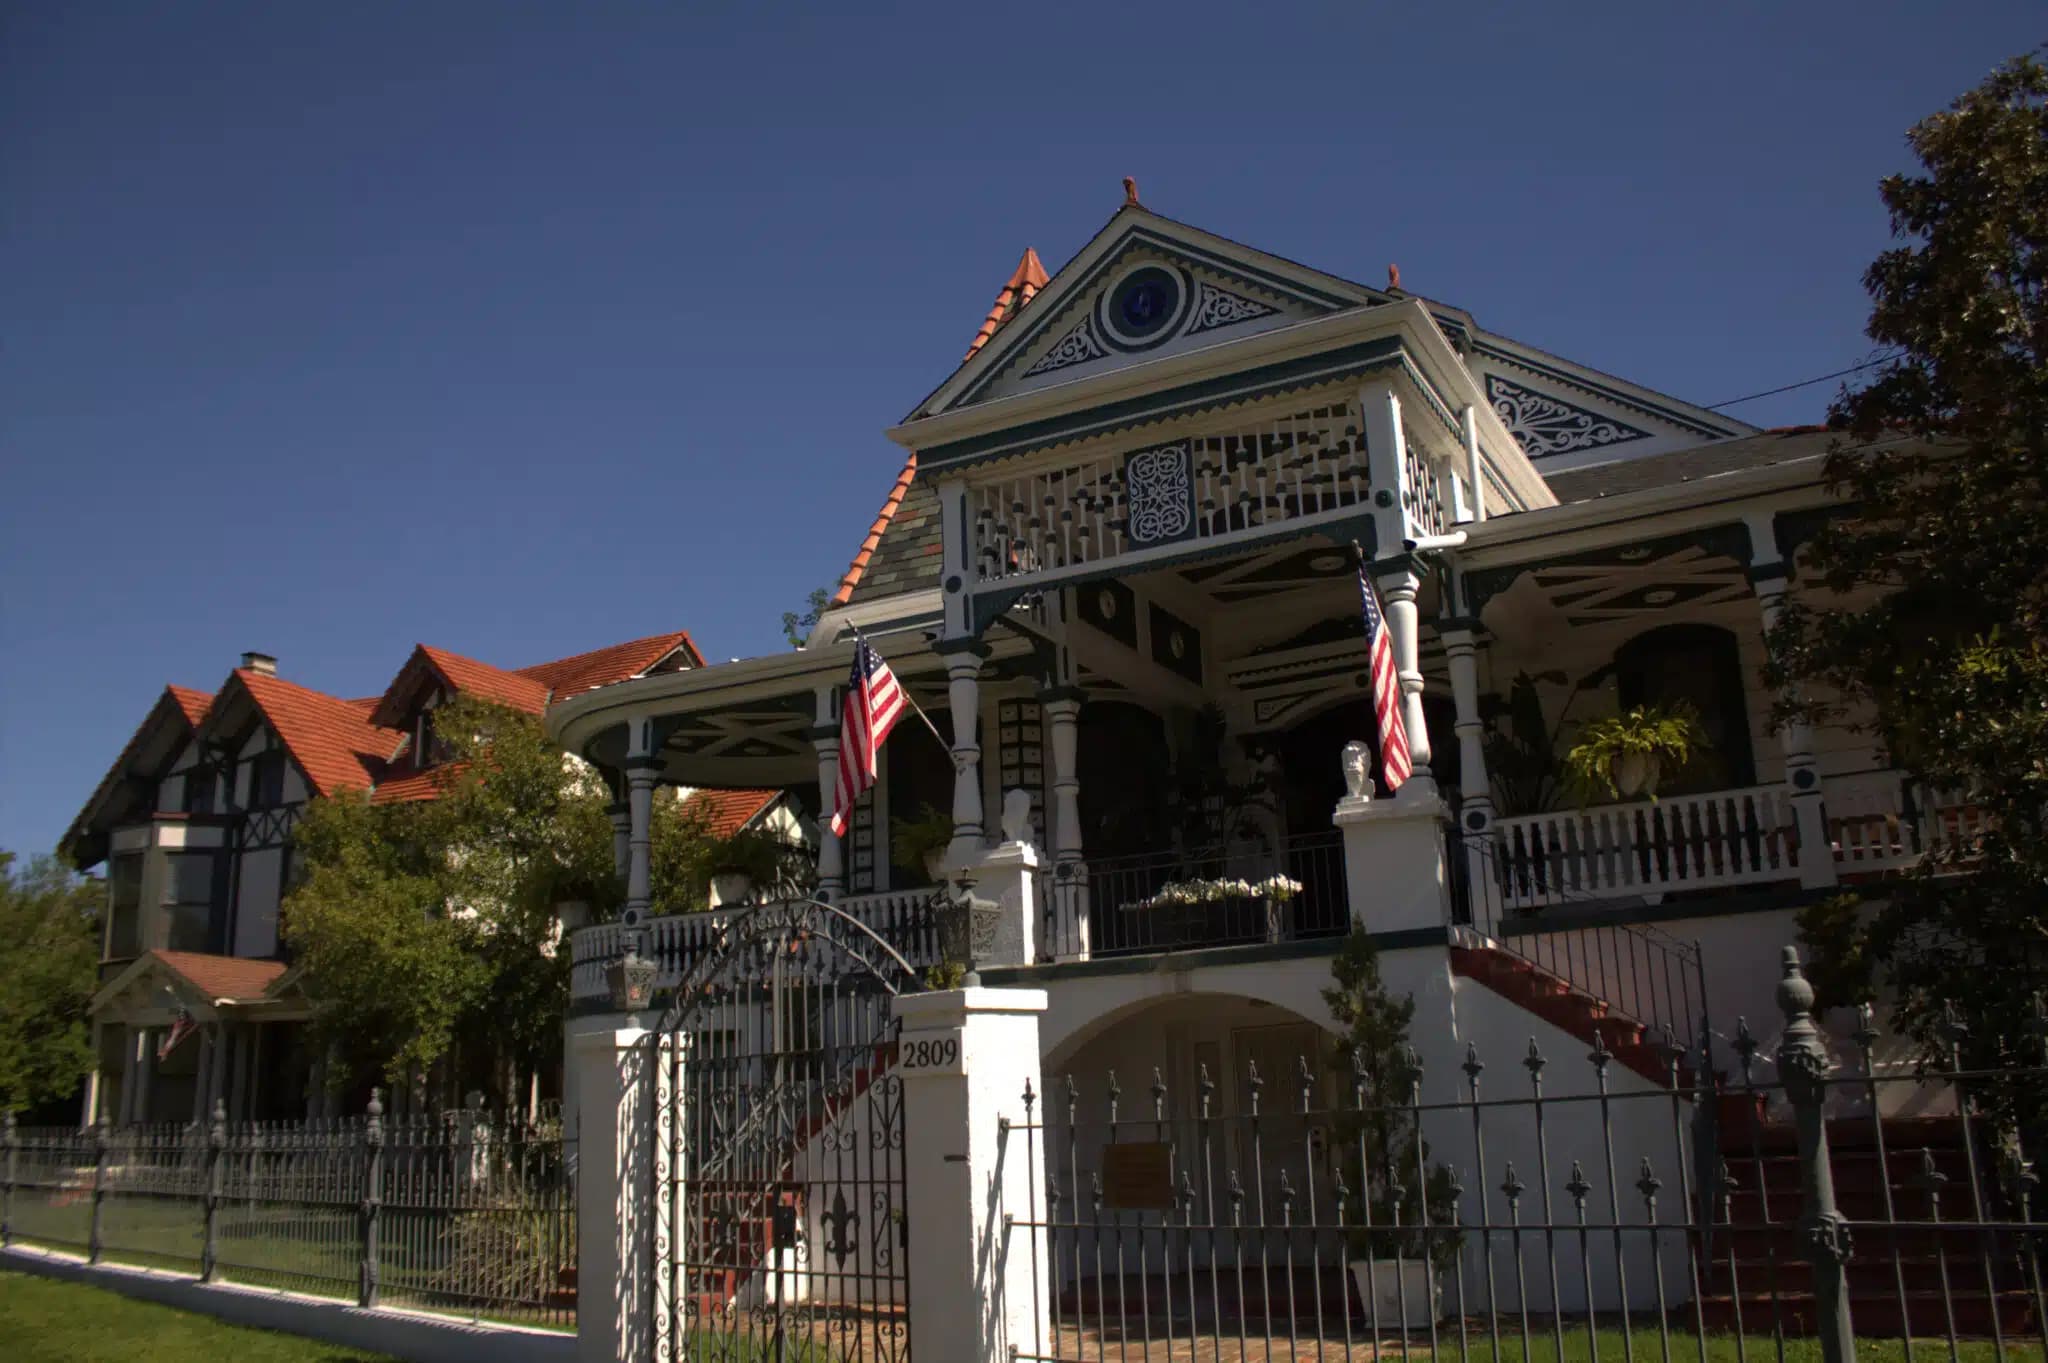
(931, 1054)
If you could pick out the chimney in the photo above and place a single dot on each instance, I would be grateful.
(260, 662)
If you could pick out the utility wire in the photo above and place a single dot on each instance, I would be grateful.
(1806, 383)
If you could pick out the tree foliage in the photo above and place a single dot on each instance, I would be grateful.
(49, 967)
(427, 930)
(1389, 1173)
(1935, 613)
(796, 626)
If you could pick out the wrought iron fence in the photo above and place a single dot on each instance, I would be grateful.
(1636, 970)
(1539, 1206)
(466, 1211)
(1214, 896)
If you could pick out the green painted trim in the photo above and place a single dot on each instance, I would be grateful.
(1243, 386)
(1586, 384)
(945, 648)
(1729, 540)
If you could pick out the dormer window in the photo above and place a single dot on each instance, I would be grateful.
(199, 783)
(423, 754)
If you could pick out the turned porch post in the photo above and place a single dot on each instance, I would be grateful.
(1399, 576)
(1400, 584)
(824, 736)
(622, 837)
(963, 694)
(1069, 930)
(643, 770)
(1461, 652)
(1771, 576)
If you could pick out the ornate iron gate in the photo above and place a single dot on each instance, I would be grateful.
(777, 1131)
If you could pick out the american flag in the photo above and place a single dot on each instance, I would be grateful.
(873, 704)
(181, 1027)
(1395, 762)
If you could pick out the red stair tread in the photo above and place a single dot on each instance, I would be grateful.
(1569, 1009)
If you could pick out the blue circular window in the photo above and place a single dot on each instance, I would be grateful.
(1144, 307)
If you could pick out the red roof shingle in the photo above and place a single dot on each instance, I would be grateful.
(488, 682)
(726, 812)
(851, 579)
(223, 977)
(331, 739)
(194, 703)
(1025, 282)
(616, 663)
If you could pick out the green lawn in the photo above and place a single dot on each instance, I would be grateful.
(46, 1321)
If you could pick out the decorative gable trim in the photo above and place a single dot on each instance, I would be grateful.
(1229, 299)
(1544, 425)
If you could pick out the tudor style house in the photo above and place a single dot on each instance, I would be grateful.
(193, 824)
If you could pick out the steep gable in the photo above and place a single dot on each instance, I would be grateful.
(1144, 287)
(331, 740)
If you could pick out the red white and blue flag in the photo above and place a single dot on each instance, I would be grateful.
(1395, 762)
(874, 702)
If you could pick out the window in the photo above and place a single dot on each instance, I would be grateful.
(1696, 665)
(124, 906)
(266, 780)
(199, 784)
(188, 901)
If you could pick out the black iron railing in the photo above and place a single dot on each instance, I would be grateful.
(1635, 969)
(1207, 897)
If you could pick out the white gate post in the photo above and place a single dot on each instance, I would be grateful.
(611, 1059)
(979, 1284)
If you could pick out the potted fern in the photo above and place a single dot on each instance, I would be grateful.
(1624, 756)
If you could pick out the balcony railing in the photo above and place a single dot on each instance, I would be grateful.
(1681, 842)
(1210, 897)
(1877, 823)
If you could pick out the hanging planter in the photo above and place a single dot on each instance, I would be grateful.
(1624, 756)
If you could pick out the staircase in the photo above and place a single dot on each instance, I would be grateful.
(1558, 1001)
(1759, 1274)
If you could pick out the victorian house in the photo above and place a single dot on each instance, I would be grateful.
(1119, 560)
(193, 825)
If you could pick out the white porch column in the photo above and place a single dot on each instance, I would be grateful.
(980, 1281)
(207, 1043)
(963, 693)
(1771, 576)
(94, 1085)
(145, 1062)
(824, 737)
(1475, 467)
(612, 1061)
(1461, 651)
(1400, 583)
(622, 837)
(643, 770)
(1061, 706)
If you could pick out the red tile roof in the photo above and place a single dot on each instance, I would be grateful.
(882, 518)
(331, 739)
(726, 812)
(417, 785)
(1029, 278)
(603, 666)
(487, 682)
(223, 977)
(195, 704)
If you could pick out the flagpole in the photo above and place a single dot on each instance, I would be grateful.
(905, 689)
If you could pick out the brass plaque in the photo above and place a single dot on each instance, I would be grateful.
(1138, 1176)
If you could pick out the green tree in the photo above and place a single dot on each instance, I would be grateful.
(49, 966)
(796, 626)
(426, 929)
(1935, 608)
(1387, 1161)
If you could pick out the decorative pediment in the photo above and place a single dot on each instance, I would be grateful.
(1146, 287)
(1545, 425)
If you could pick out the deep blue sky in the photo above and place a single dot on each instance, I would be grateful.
(522, 329)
